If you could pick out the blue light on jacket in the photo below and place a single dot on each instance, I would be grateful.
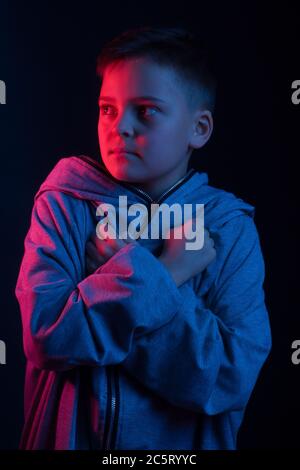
(122, 358)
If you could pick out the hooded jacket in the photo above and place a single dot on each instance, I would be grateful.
(123, 358)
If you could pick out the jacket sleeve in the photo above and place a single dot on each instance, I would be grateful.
(68, 320)
(208, 357)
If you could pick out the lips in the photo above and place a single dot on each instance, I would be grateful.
(123, 150)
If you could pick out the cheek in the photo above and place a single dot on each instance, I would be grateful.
(102, 135)
(170, 136)
(178, 129)
(99, 129)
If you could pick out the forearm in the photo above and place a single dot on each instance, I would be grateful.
(96, 322)
(197, 362)
(208, 356)
(70, 320)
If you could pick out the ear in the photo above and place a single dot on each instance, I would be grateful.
(202, 127)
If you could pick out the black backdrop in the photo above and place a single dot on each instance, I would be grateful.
(48, 52)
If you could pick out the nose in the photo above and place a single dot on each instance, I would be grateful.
(123, 125)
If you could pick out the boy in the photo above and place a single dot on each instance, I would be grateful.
(140, 343)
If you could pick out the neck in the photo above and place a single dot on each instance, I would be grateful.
(155, 188)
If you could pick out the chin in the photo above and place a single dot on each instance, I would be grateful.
(125, 173)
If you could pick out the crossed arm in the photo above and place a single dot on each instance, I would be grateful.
(208, 357)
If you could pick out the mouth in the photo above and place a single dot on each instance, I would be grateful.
(123, 153)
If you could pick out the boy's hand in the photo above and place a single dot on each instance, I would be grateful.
(99, 251)
(184, 264)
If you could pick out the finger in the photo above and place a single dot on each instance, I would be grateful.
(213, 254)
(118, 243)
(91, 249)
(109, 245)
(95, 263)
(121, 240)
(106, 248)
(91, 266)
(99, 252)
(127, 240)
(109, 237)
(212, 242)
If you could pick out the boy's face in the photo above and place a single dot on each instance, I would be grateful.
(159, 128)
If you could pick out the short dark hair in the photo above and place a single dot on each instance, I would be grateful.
(174, 47)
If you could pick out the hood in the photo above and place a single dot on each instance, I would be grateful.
(84, 178)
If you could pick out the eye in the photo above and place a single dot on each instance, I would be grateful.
(106, 109)
(147, 111)
(144, 111)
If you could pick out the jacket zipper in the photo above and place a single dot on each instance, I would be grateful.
(112, 412)
(133, 188)
(163, 196)
(113, 390)
(152, 201)
(112, 374)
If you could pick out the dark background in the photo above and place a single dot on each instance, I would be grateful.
(47, 60)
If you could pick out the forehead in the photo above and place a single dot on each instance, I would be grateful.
(131, 78)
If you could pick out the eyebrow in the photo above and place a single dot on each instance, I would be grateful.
(137, 98)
